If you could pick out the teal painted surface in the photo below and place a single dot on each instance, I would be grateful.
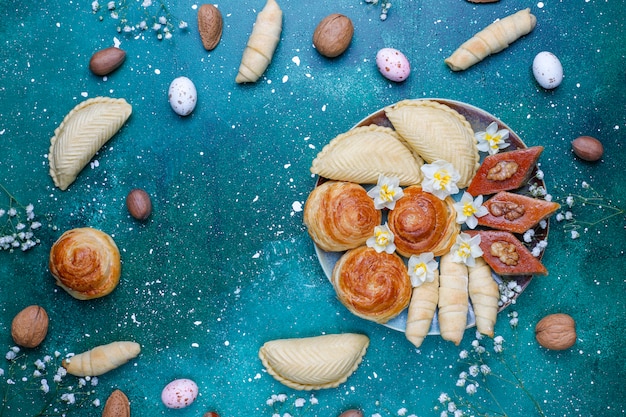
(225, 264)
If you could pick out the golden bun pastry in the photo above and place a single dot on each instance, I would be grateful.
(374, 286)
(86, 263)
(340, 216)
(421, 223)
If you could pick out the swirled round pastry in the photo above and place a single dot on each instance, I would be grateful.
(340, 216)
(421, 222)
(86, 263)
(374, 286)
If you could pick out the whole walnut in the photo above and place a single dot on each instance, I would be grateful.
(30, 326)
(333, 35)
(556, 331)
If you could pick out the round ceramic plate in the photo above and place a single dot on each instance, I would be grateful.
(479, 120)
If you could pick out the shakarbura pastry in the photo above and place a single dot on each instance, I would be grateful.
(86, 263)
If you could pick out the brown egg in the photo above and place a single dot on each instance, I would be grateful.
(139, 204)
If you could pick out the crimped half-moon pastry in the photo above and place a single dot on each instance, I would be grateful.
(340, 216)
(437, 132)
(361, 154)
(101, 359)
(86, 263)
(313, 363)
(421, 222)
(85, 129)
(374, 286)
(453, 299)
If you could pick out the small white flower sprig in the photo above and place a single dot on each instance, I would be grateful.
(440, 179)
(385, 5)
(281, 407)
(422, 268)
(469, 209)
(479, 381)
(42, 382)
(382, 241)
(589, 203)
(152, 15)
(492, 139)
(466, 249)
(17, 225)
(386, 192)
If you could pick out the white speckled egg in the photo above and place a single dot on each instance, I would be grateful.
(182, 96)
(393, 65)
(547, 70)
(179, 393)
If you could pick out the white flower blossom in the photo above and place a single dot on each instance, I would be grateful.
(466, 249)
(471, 389)
(422, 268)
(382, 241)
(492, 139)
(300, 402)
(443, 398)
(469, 209)
(440, 179)
(386, 192)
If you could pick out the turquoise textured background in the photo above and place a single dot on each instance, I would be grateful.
(224, 262)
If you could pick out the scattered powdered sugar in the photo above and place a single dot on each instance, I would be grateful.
(296, 206)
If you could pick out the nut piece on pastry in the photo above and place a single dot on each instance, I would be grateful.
(313, 363)
(340, 216)
(101, 359)
(86, 263)
(85, 129)
(361, 154)
(374, 286)
(421, 223)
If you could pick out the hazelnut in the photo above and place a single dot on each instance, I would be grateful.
(351, 413)
(30, 326)
(139, 204)
(333, 35)
(556, 331)
(106, 60)
(211, 414)
(588, 148)
(117, 405)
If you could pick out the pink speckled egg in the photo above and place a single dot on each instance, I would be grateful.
(393, 65)
(179, 393)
